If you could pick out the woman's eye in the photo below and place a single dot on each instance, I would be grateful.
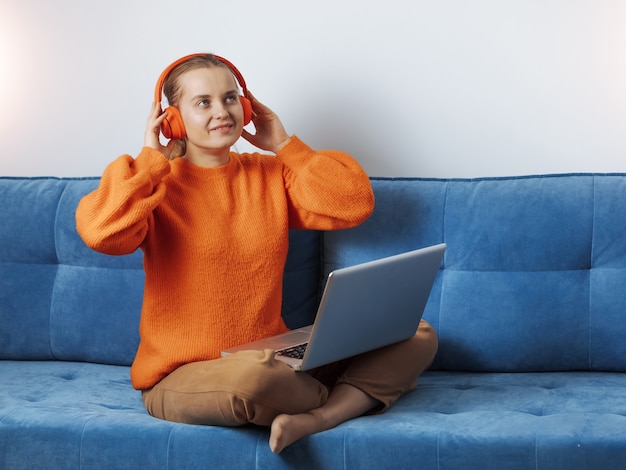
(231, 99)
(203, 103)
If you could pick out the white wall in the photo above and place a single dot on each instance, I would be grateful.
(447, 88)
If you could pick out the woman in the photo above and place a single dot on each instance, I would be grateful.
(213, 226)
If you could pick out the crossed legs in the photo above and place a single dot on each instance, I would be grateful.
(254, 387)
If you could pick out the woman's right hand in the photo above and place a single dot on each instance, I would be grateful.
(153, 132)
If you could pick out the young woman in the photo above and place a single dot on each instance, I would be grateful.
(213, 226)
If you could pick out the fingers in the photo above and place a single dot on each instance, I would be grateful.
(156, 114)
(155, 111)
(153, 127)
(257, 106)
(248, 136)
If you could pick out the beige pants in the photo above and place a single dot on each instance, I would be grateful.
(254, 387)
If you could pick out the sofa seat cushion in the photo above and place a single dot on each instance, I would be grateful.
(558, 420)
(79, 415)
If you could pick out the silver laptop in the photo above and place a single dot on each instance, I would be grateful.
(363, 307)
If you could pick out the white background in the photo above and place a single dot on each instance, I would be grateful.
(446, 88)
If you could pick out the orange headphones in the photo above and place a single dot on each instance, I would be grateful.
(173, 126)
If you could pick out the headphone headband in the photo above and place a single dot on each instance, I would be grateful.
(158, 91)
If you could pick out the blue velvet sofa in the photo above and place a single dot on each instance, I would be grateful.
(529, 304)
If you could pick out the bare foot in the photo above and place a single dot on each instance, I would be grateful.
(287, 429)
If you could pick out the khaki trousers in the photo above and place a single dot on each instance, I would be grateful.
(254, 387)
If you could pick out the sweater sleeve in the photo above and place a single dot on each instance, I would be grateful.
(327, 189)
(114, 218)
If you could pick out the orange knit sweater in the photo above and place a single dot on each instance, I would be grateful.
(215, 241)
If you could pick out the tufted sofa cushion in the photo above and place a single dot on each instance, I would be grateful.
(530, 278)
(60, 300)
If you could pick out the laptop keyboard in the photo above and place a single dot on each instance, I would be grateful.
(296, 352)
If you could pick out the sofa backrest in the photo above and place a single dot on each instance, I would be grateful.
(60, 300)
(531, 281)
(534, 273)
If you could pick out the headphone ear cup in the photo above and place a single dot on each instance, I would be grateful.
(172, 126)
(246, 104)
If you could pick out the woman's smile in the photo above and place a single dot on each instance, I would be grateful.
(222, 128)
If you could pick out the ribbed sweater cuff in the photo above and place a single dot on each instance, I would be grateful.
(294, 150)
(152, 162)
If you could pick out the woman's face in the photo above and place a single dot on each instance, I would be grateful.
(211, 111)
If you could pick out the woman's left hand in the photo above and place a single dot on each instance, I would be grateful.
(270, 133)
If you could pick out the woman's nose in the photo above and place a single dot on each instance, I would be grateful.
(219, 110)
